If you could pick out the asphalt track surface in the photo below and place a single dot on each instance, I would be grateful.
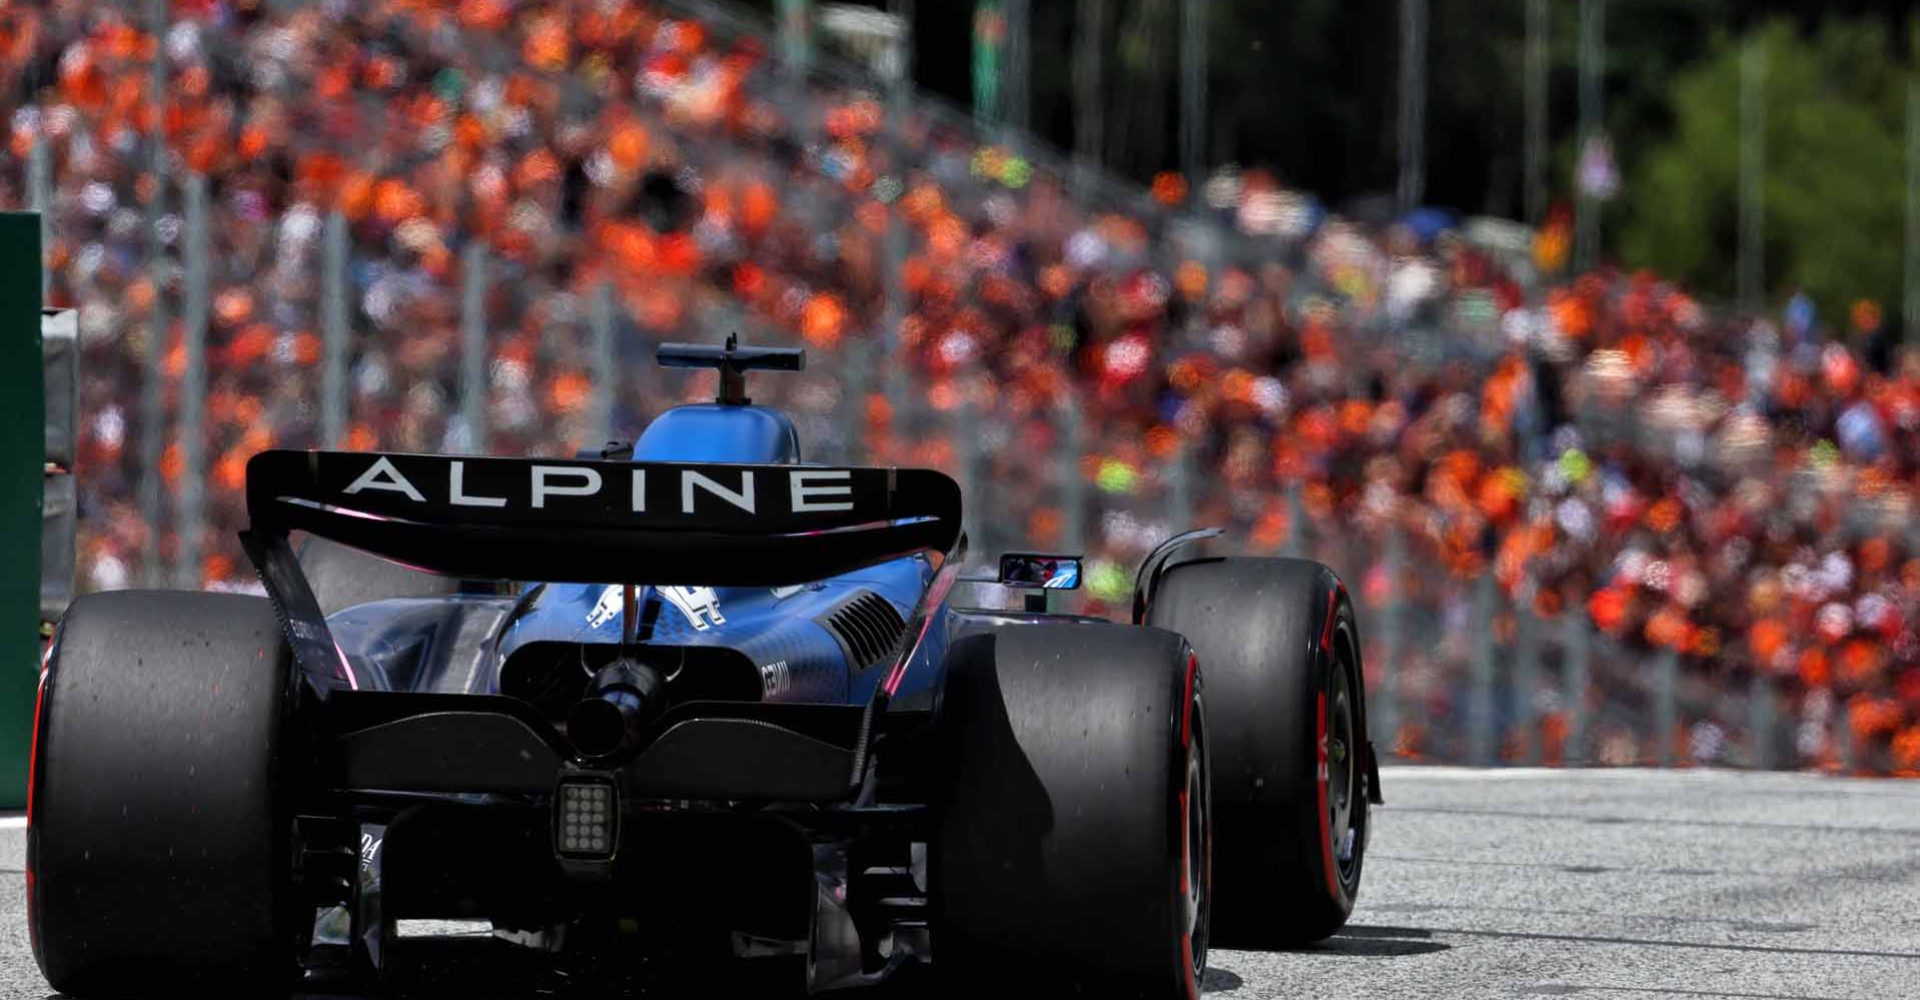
(1601, 884)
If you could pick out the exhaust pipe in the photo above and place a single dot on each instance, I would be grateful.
(621, 699)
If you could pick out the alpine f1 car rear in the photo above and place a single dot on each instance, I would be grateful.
(741, 729)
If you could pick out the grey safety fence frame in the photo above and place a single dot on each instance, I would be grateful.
(1498, 680)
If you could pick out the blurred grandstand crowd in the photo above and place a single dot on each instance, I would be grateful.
(1417, 410)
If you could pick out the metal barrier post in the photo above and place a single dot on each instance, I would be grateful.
(606, 368)
(1844, 750)
(1482, 741)
(1526, 681)
(1296, 521)
(1180, 488)
(1667, 704)
(1760, 719)
(193, 391)
(1073, 485)
(856, 382)
(1579, 664)
(153, 405)
(40, 200)
(473, 348)
(973, 475)
(333, 332)
(796, 35)
(1386, 701)
(892, 365)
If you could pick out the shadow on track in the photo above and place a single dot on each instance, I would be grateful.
(1367, 941)
(478, 968)
(1218, 980)
(1362, 941)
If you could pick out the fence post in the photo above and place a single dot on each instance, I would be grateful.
(796, 36)
(1760, 718)
(897, 241)
(473, 347)
(333, 332)
(1526, 679)
(1844, 750)
(856, 382)
(1579, 640)
(1666, 704)
(966, 431)
(1296, 521)
(193, 391)
(1392, 626)
(1073, 486)
(893, 364)
(606, 367)
(40, 200)
(153, 405)
(1180, 488)
(1482, 741)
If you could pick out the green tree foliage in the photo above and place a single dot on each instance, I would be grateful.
(1835, 169)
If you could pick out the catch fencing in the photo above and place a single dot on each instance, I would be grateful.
(316, 328)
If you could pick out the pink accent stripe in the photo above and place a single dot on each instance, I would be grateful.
(930, 606)
(346, 668)
(33, 753)
(1326, 628)
(1320, 741)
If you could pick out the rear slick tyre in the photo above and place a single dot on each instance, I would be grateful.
(159, 859)
(1073, 842)
(1280, 646)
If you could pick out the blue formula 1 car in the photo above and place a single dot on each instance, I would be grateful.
(744, 728)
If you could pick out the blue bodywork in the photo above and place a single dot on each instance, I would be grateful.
(781, 630)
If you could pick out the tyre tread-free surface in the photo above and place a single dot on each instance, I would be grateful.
(1056, 857)
(158, 849)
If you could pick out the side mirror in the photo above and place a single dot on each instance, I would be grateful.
(1040, 570)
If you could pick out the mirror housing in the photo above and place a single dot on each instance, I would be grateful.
(1040, 571)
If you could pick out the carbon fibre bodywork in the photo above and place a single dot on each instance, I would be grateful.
(686, 704)
(797, 620)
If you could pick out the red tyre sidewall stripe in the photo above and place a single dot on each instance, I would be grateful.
(1326, 627)
(33, 754)
(1190, 985)
(1324, 774)
(33, 773)
(1186, 761)
(1192, 988)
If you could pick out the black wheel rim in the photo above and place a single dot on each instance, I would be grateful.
(1344, 793)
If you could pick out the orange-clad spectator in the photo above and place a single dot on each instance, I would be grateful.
(1623, 456)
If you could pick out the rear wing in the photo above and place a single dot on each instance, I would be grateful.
(580, 521)
(605, 521)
